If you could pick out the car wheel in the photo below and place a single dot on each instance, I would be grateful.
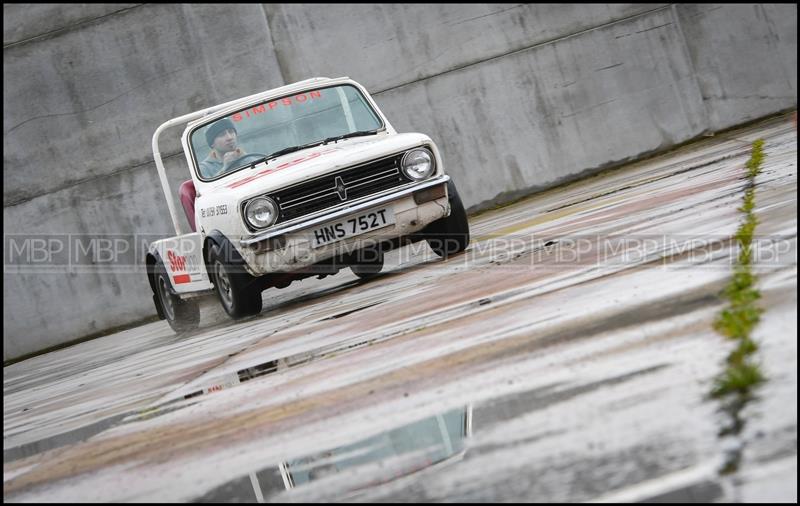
(367, 263)
(234, 286)
(182, 315)
(449, 236)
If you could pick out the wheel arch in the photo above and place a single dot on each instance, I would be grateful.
(151, 260)
(221, 240)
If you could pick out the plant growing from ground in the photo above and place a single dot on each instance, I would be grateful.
(734, 386)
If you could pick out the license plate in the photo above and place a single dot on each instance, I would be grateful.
(352, 226)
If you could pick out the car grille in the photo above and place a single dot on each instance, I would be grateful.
(327, 191)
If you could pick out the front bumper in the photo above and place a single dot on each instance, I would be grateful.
(339, 212)
(288, 247)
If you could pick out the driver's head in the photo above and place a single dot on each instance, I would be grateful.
(222, 136)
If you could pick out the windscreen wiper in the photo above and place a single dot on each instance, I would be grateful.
(255, 162)
(292, 149)
(351, 134)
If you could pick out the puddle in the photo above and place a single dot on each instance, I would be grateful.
(63, 439)
(292, 300)
(387, 456)
(233, 379)
(346, 313)
(344, 471)
(668, 308)
(514, 405)
(86, 432)
(706, 491)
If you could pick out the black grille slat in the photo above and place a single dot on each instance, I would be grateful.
(298, 211)
(365, 190)
(320, 193)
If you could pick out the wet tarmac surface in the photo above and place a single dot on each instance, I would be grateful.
(567, 355)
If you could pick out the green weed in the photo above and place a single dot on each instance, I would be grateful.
(746, 348)
(756, 157)
(737, 322)
(742, 315)
(749, 201)
(738, 379)
(743, 279)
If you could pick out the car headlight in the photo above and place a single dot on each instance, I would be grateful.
(417, 164)
(261, 212)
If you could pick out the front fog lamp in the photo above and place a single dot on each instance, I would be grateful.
(417, 164)
(261, 212)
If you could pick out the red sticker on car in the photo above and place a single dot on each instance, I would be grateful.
(268, 106)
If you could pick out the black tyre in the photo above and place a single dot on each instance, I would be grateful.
(182, 315)
(234, 286)
(449, 236)
(367, 263)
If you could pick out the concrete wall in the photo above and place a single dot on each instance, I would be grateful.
(745, 57)
(519, 98)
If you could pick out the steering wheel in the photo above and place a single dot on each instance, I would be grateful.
(236, 163)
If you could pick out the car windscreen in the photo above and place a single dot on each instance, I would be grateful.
(240, 138)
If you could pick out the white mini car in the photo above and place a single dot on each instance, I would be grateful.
(298, 181)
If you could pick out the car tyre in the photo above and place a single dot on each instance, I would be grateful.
(450, 235)
(234, 286)
(368, 263)
(182, 315)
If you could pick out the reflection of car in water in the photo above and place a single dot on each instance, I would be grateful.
(387, 456)
(342, 472)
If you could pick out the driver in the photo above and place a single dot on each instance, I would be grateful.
(222, 137)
